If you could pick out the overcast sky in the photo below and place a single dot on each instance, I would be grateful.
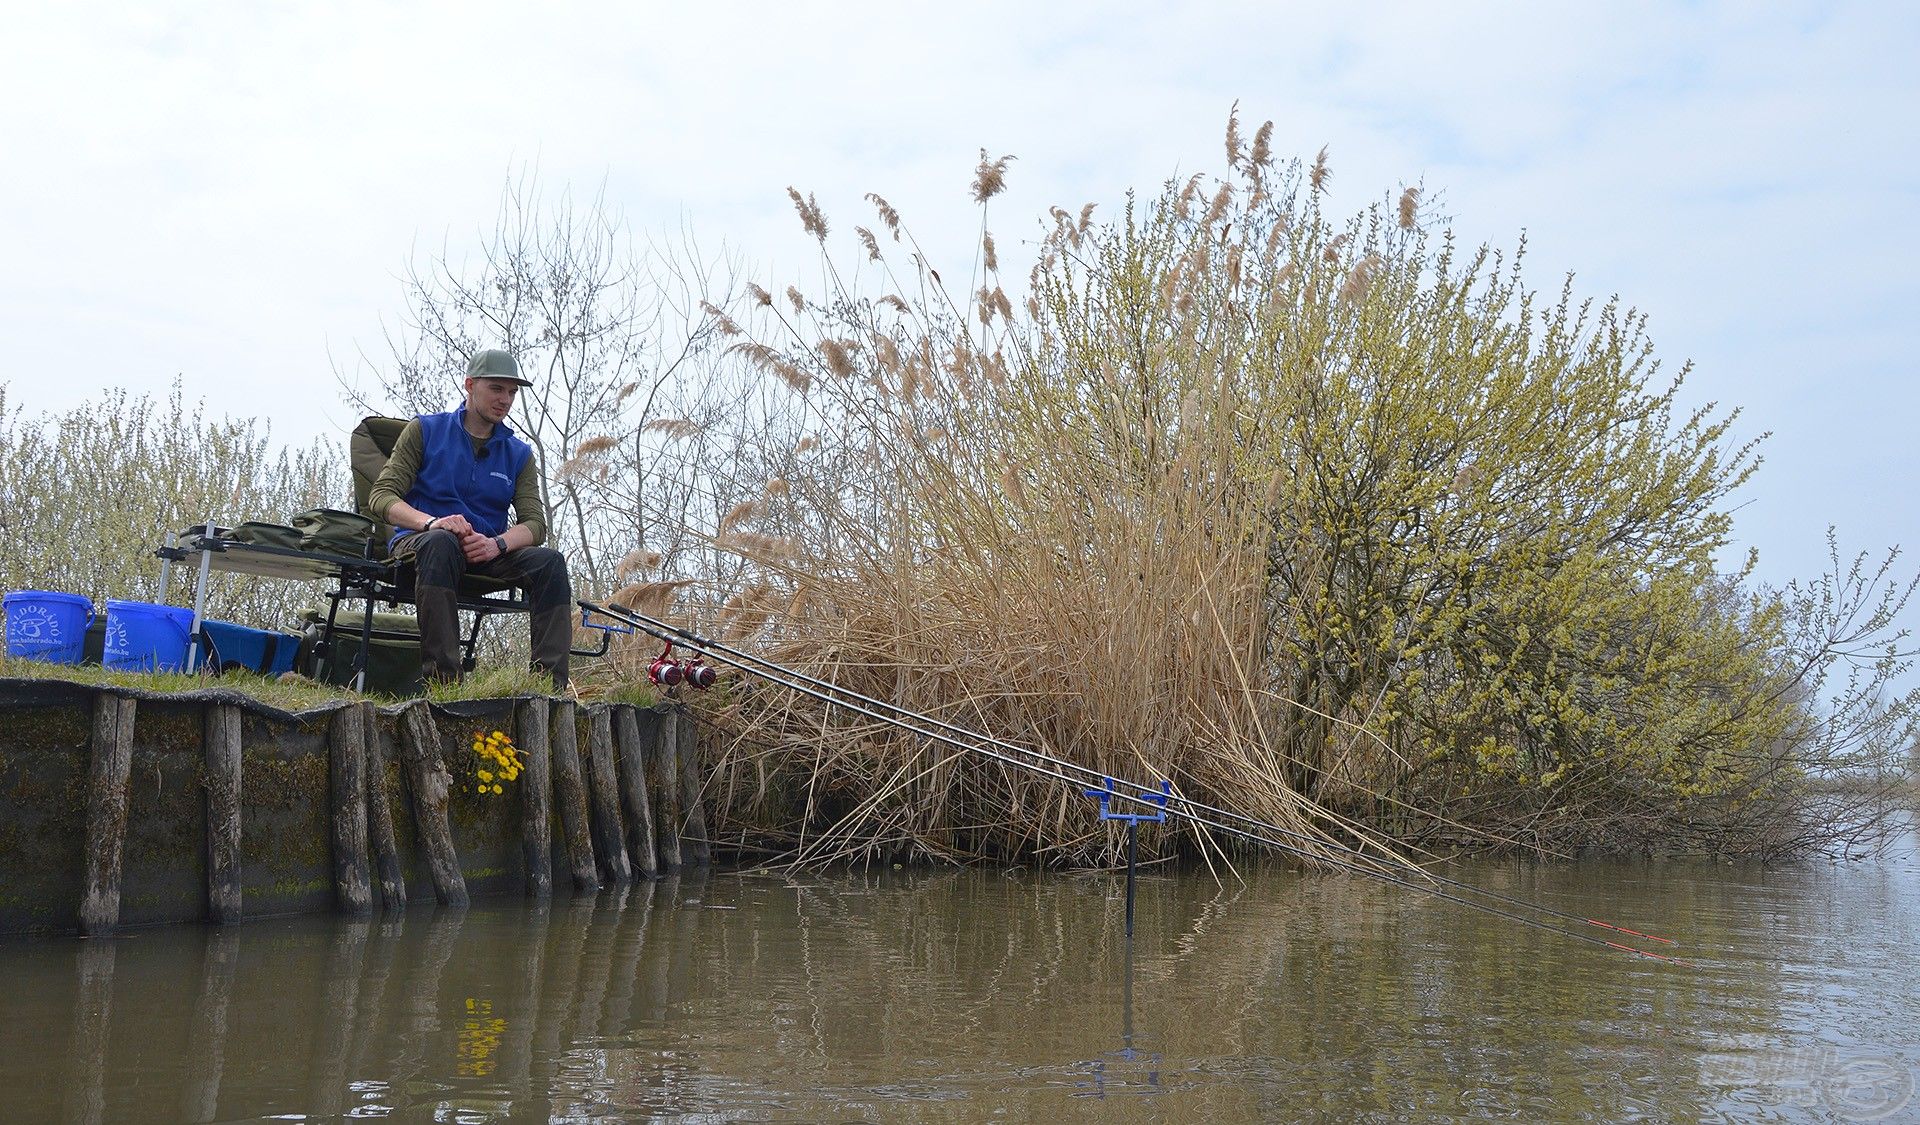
(228, 193)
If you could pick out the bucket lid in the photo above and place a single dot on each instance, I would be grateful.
(46, 596)
(148, 608)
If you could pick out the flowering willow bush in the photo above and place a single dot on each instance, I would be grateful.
(87, 494)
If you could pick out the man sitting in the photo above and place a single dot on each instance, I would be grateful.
(446, 491)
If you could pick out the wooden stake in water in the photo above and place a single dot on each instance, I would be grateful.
(221, 738)
(112, 751)
(569, 793)
(536, 796)
(347, 759)
(431, 784)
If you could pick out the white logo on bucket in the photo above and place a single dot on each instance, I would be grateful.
(33, 624)
(116, 637)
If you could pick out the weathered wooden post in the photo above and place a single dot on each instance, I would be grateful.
(693, 844)
(220, 736)
(631, 746)
(663, 786)
(608, 843)
(386, 847)
(427, 776)
(536, 796)
(569, 793)
(347, 780)
(112, 759)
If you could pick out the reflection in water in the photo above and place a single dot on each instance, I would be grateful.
(1128, 1070)
(955, 996)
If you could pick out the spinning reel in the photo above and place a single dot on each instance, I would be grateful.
(668, 672)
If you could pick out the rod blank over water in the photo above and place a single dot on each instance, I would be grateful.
(1195, 812)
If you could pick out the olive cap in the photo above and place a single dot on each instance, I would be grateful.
(496, 364)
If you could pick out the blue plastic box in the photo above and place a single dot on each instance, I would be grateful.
(257, 650)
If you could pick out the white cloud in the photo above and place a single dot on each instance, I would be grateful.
(228, 191)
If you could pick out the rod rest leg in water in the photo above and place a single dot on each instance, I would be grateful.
(1105, 796)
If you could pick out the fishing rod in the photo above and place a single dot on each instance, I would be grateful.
(1141, 794)
(1062, 770)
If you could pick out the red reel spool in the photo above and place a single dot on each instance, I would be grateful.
(665, 670)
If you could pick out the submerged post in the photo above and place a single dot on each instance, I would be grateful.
(221, 745)
(112, 760)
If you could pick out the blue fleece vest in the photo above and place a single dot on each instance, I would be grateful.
(452, 480)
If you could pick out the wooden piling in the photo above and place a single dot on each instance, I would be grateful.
(112, 759)
(694, 848)
(609, 845)
(569, 792)
(663, 787)
(430, 782)
(347, 754)
(385, 846)
(630, 746)
(536, 796)
(220, 736)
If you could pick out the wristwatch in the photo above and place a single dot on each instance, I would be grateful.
(500, 541)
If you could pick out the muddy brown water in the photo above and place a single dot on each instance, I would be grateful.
(967, 996)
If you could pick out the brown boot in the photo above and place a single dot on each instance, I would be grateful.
(439, 618)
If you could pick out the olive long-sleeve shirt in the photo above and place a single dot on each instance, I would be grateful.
(404, 466)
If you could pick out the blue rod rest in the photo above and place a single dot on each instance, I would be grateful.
(586, 624)
(1107, 794)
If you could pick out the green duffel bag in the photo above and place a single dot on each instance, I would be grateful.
(393, 660)
(334, 531)
(267, 535)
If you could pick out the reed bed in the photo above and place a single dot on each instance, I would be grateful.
(1321, 520)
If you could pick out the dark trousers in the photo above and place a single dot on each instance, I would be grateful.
(439, 565)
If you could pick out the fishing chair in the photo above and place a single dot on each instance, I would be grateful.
(368, 450)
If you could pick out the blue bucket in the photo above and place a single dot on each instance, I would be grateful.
(47, 626)
(142, 637)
